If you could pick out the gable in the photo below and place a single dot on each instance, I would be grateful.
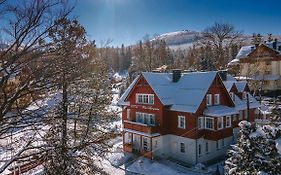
(217, 86)
(262, 51)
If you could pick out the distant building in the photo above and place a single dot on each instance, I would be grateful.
(190, 117)
(261, 64)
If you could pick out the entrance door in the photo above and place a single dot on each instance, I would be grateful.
(174, 148)
(136, 142)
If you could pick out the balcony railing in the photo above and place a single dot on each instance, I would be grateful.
(141, 127)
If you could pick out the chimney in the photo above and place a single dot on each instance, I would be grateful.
(176, 75)
(223, 74)
(274, 44)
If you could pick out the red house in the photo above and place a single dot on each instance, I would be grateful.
(190, 117)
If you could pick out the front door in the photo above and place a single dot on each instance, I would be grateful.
(136, 142)
(174, 148)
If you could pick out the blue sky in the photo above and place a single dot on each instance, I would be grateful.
(127, 21)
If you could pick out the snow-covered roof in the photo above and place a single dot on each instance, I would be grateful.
(126, 93)
(230, 77)
(185, 95)
(228, 85)
(242, 104)
(240, 85)
(270, 77)
(219, 110)
(246, 50)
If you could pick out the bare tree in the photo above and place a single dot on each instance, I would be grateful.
(26, 27)
(220, 36)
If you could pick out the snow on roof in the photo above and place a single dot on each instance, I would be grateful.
(234, 62)
(240, 85)
(219, 110)
(242, 104)
(266, 77)
(244, 51)
(126, 93)
(228, 85)
(185, 95)
(230, 77)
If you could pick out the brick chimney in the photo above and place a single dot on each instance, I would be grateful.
(274, 44)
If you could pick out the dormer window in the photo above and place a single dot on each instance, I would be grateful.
(217, 99)
(144, 98)
(244, 96)
(232, 95)
(209, 99)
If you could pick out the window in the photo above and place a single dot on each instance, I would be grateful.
(199, 150)
(145, 147)
(217, 145)
(209, 99)
(209, 123)
(139, 98)
(217, 99)
(139, 117)
(145, 118)
(151, 99)
(128, 114)
(145, 98)
(219, 123)
(181, 122)
(207, 147)
(244, 96)
(240, 115)
(232, 95)
(201, 123)
(228, 121)
(222, 143)
(182, 148)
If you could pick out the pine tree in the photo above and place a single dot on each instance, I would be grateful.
(255, 151)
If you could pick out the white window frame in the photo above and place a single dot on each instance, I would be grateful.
(207, 150)
(201, 122)
(199, 150)
(180, 119)
(216, 99)
(145, 98)
(182, 147)
(232, 95)
(222, 125)
(209, 99)
(228, 119)
(145, 147)
(206, 119)
(244, 96)
(145, 118)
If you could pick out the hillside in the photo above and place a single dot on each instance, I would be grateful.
(186, 38)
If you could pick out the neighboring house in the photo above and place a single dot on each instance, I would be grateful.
(190, 117)
(261, 64)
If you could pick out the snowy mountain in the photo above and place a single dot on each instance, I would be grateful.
(180, 37)
(186, 38)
